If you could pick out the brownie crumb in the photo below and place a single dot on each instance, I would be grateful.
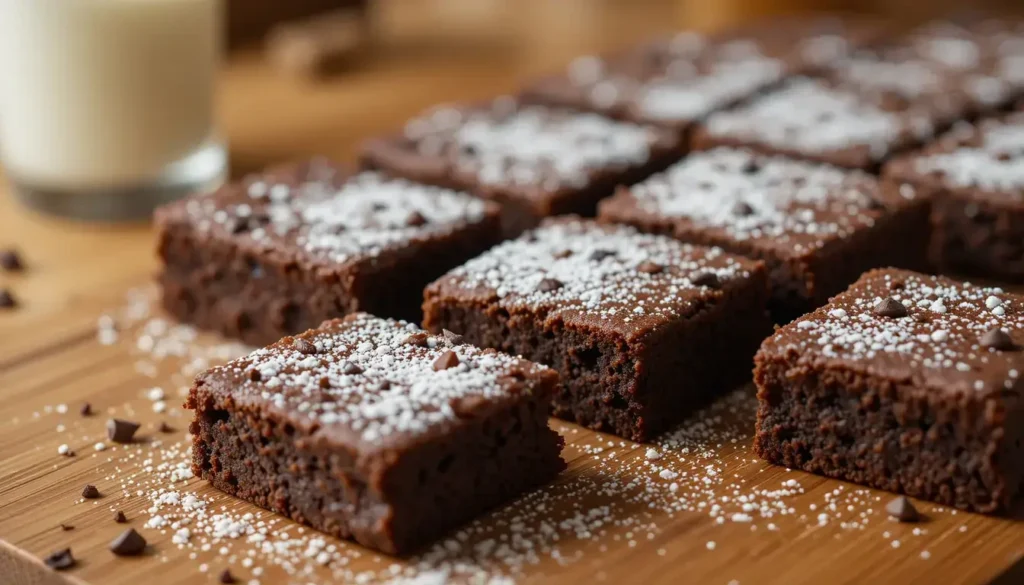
(86, 409)
(121, 431)
(90, 492)
(648, 267)
(903, 510)
(165, 428)
(11, 261)
(7, 300)
(60, 560)
(350, 369)
(226, 577)
(548, 285)
(446, 360)
(708, 279)
(417, 339)
(66, 527)
(129, 543)
(451, 337)
(120, 518)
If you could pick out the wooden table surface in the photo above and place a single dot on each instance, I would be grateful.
(695, 507)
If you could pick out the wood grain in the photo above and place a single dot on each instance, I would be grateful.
(49, 356)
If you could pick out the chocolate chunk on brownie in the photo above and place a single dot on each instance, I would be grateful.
(533, 160)
(905, 382)
(278, 253)
(381, 433)
(817, 227)
(975, 177)
(642, 328)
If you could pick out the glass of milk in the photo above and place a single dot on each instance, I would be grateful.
(106, 106)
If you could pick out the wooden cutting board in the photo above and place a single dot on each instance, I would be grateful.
(694, 507)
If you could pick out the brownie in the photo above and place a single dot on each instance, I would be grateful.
(642, 328)
(994, 46)
(375, 431)
(975, 177)
(533, 160)
(278, 253)
(817, 227)
(860, 110)
(905, 382)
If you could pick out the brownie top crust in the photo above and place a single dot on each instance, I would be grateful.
(371, 383)
(321, 213)
(789, 206)
(908, 327)
(534, 150)
(987, 157)
(608, 277)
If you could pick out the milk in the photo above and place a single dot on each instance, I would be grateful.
(105, 94)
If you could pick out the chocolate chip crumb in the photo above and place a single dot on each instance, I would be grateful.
(121, 431)
(60, 560)
(648, 267)
(90, 492)
(324, 382)
(416, 219)
(10, 260)
(165, 428)
(86, 409)
(351, 369)
(226, 577)
(708, 279)
(119, 517)
(418, 339)
(890, 307)
(66, 527)
(451, 337)
(7, 300)
(305, 347)
(255, 375)
(903, 510)
(129, 543)
(743, 209)
(997, 339)
(562, 254)
(549, 285)
(446, 360)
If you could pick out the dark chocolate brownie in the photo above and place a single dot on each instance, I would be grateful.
(817, 227)
(278, 253)
(533, 160)
(905, 382)
(975, 177)
(861, 110)
(642, 328)
(373, 430)
(994, 46)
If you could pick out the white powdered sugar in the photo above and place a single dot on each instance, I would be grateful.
(365, 376)
(995, 163)
(577, 267)
(944, 333)
(360, 217)
(810, 116)
(532, 148)
(692, 97)
(749, 196)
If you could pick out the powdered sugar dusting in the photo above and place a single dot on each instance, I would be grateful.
(992, 160)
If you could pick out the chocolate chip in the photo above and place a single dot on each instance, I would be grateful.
(165, 428)
(304, 346)
(890, 307)
(90, 492)
(446, 360)
(451, 337)
(416, 219)
(66, 527)
(226, 577)
(750, 167)
(129, 543)
(903, 510)
(10, 261)
(121, 431)
(997, 339)
(549, 284)
(648, 267)
(86, 409)
(7, 300)
(562, 254)
(255, 375)
(708, 279)
(119, 517)
(60, 560)
(378, 206)
(350, 369)
(742, 208)
(598, 255)
(1004, 157)
(384, 385)
(418, 339)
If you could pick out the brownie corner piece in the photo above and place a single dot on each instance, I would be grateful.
(373, 430)
(642, 328)
(279, 252)
(905, 382)
(975, 174)
(535, 161)
(817, 227)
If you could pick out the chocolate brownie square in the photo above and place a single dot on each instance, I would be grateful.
(993, 46)
(860, 111)
(905, 382)
(373, 430)
(817, 227)
(975, 178)
(533, 160)
(280, 252)
(642, 328)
